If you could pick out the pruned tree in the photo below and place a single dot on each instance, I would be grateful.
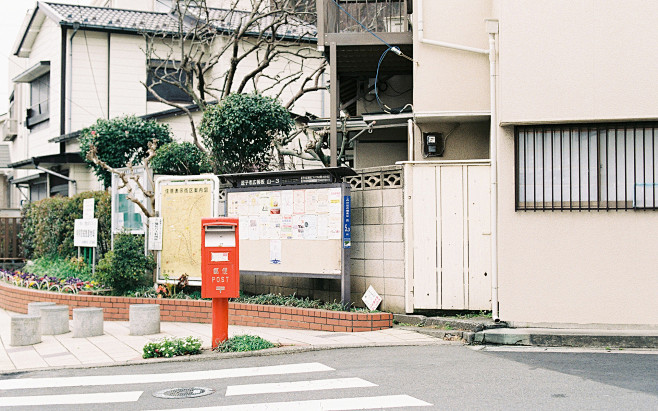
(210, 53)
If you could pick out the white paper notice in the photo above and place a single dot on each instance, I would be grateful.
(322, 201)
(274, 227)
(275, 252)
(253, 228)
(334, 201)
(243, 204)
(371, 298)
(275, 202)
(298, 227)
(252, 201)
(243, 227)
(335, 227)
(263, 223)
(323, 226)
(298, 202)
(287, 199)
(286, 227)
(311, 201)
(264, 202)
(310, 227)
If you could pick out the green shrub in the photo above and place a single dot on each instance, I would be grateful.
(239, 132)
(289, 301)
(59, 267)
(121, 140)
(126, 267)
(48, 225)
(180, 159)
(171, 347)
(241, 343)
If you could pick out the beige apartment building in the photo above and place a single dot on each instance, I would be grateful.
(526, 156)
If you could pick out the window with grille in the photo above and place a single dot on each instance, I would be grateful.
(576, 167)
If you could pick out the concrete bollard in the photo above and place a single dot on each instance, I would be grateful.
(35, 308)
(55, 320)
(144, 319)
(87, 322)
(25, 330)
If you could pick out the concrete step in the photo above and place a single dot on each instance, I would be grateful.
(548, 337)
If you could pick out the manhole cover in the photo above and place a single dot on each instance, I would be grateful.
(172, 393)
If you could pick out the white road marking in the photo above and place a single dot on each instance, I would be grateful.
(357, 403)
(294, 386)
(70, 399)
(25, 383)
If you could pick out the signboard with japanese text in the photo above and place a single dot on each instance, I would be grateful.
(181, 203)
(85, 232)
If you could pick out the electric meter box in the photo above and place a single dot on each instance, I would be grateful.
(220, 265)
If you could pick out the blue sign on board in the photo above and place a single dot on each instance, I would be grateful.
(347, 222)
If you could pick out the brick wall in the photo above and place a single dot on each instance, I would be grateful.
(15, 299)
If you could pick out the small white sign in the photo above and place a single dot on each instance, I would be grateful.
(371, 298)
(155, 233)
(218, 257)
(87, 208)
(85, 232)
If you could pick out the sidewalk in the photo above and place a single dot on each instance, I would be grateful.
(116, 346)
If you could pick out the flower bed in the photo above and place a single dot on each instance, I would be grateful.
(15, 299)
(48, 283)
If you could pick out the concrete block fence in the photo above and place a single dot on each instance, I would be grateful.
(16, 299)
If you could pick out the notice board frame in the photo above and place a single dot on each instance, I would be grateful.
(270, 181)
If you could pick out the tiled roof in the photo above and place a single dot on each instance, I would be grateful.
(102, 17)
(139, 21)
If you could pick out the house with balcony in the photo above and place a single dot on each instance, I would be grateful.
(522, 181)
(74, 64)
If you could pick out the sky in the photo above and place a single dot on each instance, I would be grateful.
(11, 19)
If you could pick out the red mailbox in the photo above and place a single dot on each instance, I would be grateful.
(220, 270)
(220, 267)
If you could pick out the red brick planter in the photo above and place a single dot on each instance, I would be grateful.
(15, 299)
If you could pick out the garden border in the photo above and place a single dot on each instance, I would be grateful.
(15, 299)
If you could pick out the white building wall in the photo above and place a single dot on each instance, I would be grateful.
(46, 47)
(89, 72)
(127, 71)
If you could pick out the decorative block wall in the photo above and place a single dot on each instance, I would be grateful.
(15, 299)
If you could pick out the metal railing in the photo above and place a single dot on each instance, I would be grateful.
(387, 16)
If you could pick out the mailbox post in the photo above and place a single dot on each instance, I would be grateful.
(220, 272)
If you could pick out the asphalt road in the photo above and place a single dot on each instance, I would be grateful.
(426, 377)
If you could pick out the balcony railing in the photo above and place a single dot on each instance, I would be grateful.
(380, 16)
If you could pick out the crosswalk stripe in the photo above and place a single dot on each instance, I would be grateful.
(71, 399)
(25, 383)
(294, 386)
(357, 403)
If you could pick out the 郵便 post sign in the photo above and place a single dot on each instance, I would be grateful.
(85, 233)
(220, 273)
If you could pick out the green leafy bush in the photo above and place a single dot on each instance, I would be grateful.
(289, 301)
(126, 267)
(239, 132)
(62, 268)
(48, 225)
(121, 140)
(172, 346)
(241, 343)
(180, 159)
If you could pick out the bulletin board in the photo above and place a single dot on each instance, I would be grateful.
(292, 230)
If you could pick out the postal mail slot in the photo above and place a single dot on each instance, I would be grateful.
(220, 272)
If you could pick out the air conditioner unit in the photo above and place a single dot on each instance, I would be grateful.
(10, 129)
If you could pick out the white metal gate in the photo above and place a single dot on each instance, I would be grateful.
(447, 235)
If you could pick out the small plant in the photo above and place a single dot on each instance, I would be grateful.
(180, 159)
(126, 267)
(58, 267)
(172, 346)
(241, 343)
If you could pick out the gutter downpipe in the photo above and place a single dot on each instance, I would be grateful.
(69, 80)
(492, 29)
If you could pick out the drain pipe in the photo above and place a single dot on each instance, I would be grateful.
(492, 29)
(69, 80)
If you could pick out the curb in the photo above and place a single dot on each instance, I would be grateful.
(566, 339)
(208, 355)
